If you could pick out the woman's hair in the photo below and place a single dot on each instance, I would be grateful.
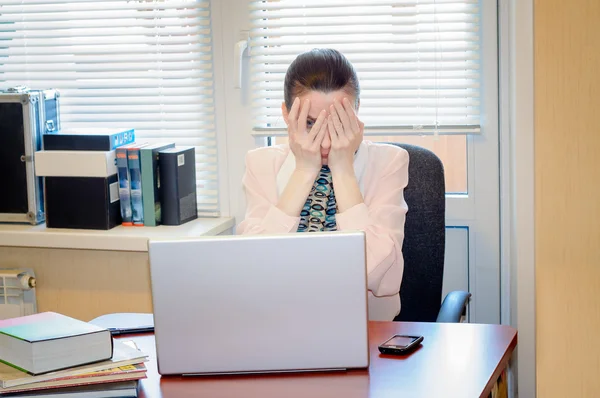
(320, 69)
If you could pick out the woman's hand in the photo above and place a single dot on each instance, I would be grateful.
(346, 133)
(306, 147)
(305, 144)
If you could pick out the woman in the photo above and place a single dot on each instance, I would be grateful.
(328, 178)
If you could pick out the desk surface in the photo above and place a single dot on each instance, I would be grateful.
(455, 360)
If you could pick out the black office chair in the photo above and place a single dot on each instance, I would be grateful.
(424, 243)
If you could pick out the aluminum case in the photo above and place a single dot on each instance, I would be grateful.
(25, 115)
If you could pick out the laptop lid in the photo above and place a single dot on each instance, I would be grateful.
(240, 304)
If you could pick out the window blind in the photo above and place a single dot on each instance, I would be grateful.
(417, 60)
(143, 64)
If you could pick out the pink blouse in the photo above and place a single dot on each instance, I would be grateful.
(382, 174)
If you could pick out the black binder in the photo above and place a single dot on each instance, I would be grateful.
(177, 169)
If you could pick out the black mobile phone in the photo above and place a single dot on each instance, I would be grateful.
(400, 344)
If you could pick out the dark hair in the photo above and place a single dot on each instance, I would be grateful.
(320, 69)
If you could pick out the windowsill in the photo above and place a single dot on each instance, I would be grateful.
(119, 238)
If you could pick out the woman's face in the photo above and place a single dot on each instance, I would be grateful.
(319, 101)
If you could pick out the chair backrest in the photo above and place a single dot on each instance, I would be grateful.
(425, 237)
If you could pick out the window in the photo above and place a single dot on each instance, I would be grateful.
(138, 64)
(418, 62)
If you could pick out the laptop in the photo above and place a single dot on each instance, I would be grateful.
(260, 304)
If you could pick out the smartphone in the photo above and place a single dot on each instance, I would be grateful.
(400, 344)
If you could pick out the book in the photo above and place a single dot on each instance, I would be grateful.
(177, 169)
(126, 323)
(151, 182)
(49, 341)
(123, 355)
(88, 139)
(124, 183)
(124, 389)
(75, 163)
(129, 372)
(135, 185)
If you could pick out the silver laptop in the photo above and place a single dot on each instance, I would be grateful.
(253, 304)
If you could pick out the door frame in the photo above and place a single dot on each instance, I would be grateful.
(517, 132)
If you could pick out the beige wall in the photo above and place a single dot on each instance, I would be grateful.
(85, 283)
(567, 191)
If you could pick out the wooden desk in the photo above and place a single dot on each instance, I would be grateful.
(455, 360)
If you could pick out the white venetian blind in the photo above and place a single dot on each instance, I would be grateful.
(144, 64)
(417, 60)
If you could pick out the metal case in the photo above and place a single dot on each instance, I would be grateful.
(25, 115)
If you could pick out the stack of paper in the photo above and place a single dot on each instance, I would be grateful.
(117, 376)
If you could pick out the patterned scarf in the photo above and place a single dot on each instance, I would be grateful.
(319, 210)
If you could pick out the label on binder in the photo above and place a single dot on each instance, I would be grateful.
(114, 192)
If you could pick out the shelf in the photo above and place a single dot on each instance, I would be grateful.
(119, 238)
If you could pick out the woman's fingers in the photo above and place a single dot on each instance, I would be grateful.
(344, 118)
(303, 115)
(351, 114)
(337, 124)
(319, 138)
(293, 115)
(332, 132)
(294, 109)
(314, 131)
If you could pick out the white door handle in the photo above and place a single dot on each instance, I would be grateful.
(238, 59)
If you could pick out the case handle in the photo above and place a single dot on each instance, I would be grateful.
(18, 89)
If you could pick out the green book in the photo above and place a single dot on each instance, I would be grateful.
(48, 341)
(151, 182)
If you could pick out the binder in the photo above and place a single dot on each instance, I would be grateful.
(177, 169)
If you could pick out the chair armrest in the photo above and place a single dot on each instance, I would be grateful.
(453, 306)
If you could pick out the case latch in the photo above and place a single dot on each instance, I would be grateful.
(50, 126)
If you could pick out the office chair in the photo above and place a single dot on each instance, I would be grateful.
(424, 243)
